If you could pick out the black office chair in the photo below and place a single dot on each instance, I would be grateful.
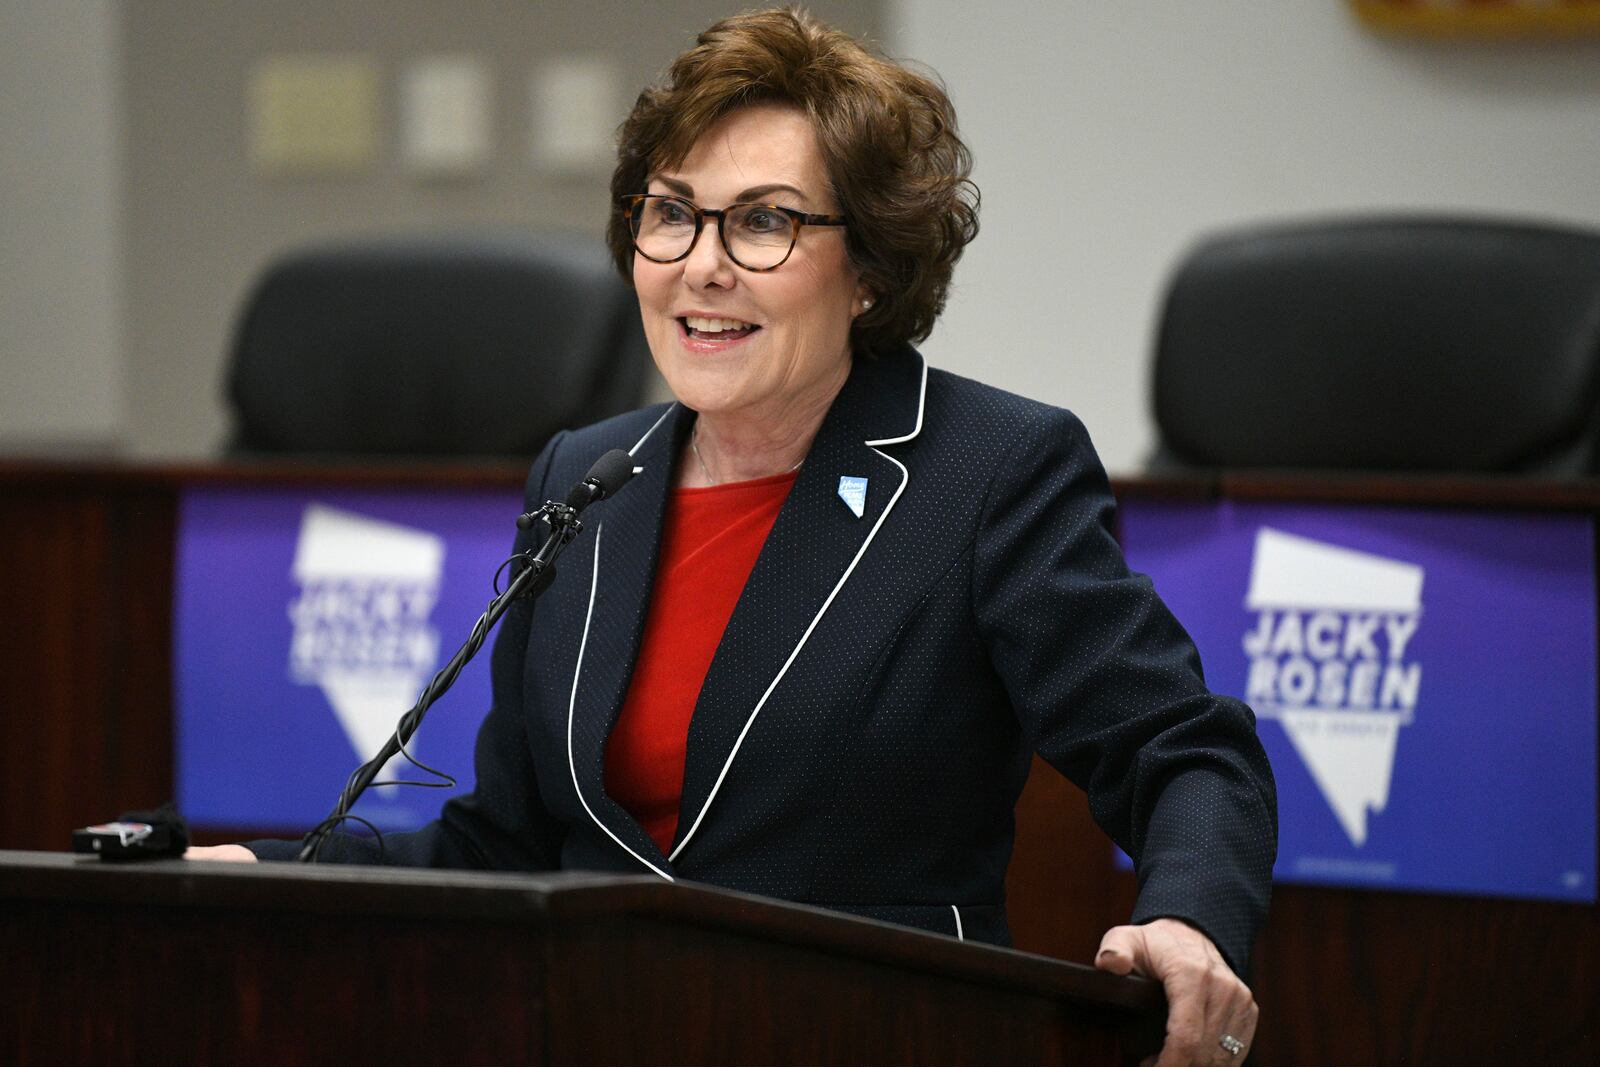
(1384, 344)
(446, 346)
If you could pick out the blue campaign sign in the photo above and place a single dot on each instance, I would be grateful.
(306, 624)
(1424, 681)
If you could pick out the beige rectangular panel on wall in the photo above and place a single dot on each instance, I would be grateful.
(576, 102)
(312, 113)
(446, 112)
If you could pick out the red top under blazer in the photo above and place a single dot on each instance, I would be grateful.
(711, 540)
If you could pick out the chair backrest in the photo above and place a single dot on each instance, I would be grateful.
(1388, 344)
(434, 346)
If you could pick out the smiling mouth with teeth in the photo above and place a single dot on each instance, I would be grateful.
(716, 329)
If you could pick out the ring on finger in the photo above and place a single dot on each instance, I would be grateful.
(1230, 1044)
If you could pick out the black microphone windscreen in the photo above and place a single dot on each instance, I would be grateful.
(610, 472)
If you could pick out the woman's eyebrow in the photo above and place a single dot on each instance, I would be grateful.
(756, 192)
(675, 186)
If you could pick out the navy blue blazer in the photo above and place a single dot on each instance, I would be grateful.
(868, 721)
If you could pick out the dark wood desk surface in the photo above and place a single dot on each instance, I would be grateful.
(281, 963)
(1442, 490)
(1343, 976)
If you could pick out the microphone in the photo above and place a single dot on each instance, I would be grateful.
(609, 474)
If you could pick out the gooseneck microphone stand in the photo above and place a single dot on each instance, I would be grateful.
(609, 473)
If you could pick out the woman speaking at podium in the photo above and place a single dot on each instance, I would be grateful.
(809, 651)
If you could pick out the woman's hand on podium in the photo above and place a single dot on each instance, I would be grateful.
(1211, 1014)
(224, 853)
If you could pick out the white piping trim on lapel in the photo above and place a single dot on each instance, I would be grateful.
(670, 409)
(572, 703)
(905, 479)
(961, 933)
(922, 402)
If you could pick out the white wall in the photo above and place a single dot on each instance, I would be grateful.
(1109, 136)
(60, 314)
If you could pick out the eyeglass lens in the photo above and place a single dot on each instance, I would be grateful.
(757, 236)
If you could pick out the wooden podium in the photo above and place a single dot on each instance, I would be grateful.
(187, 963)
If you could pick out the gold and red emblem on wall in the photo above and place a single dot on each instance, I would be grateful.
(1482, 17)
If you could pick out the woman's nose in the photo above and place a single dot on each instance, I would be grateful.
(708, 263)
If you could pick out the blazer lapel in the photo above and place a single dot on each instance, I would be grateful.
(815, 545)
(623, 544)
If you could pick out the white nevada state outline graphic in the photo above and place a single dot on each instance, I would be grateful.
(361, 629)
(1328, 660)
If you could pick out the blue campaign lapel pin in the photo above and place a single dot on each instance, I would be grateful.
(853, 491)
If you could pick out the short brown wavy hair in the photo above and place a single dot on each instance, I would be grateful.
(899, 171)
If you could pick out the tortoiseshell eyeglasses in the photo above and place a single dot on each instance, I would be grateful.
(758, 237)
